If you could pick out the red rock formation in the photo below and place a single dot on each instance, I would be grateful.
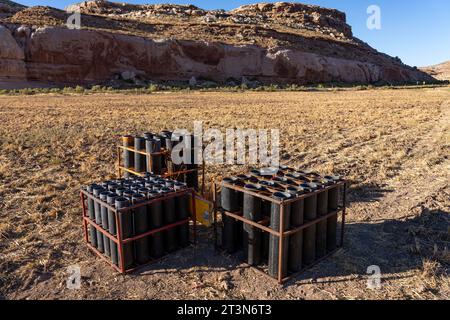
(12, 64)
(440, 71)
(58, 54)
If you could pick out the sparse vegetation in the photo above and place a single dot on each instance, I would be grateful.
(154, 87)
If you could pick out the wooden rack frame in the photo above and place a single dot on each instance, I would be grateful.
(118, 237)
(282, 235)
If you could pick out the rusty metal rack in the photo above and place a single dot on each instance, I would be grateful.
(170, 173)
(282, 234)
(119, 240)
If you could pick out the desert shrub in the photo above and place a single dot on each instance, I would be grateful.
(67, 90)
(26, 91)
(272, 87)
(153, 87)
(79, 89)
(96, 88)
(293, 87)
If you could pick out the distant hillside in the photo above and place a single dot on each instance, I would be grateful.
(439, 71)
(7, 6)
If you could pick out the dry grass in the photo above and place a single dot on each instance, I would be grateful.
(393, 145)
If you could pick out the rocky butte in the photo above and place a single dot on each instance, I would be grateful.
(272, 43)
(440, 71)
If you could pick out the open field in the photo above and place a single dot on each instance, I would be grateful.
(394, 146)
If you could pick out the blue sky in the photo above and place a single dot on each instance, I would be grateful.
(416, 31)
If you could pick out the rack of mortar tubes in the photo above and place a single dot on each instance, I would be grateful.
(288, 219)
(151, 153)
(133, 222)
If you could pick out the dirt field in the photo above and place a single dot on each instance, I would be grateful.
(392, 144)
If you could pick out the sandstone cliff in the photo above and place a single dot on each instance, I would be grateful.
(271, 43)
(12, 57)
(440, 71)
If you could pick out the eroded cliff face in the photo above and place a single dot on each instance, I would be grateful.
(440, 71)
(294, 16)
(95, 54)
(12, 57)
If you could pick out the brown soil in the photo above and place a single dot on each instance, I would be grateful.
(392, 144)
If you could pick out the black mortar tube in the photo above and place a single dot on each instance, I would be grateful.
(192, 177)
(333, 203)
(274, 247)
(126, 221)
(103, 210)
(148, 135)
(155, 213)
(309, 233)
(111, 200)
(163, 136)
(182, 204)
(91, 214)
(128, 157)
(240, 205)
(144, 191)
(98, 218)
(229, 202)
(229, 197)
(172, 141)
(170, 235)
(162, 141)
(141, 226)
(252, 235)
(113, 186)
(296, 240)
(321, 230)
(104, 213)
(120, 191)
(139, 159)
(96, 191)
(154, 146)
(239, 181)
(129, 194)
(135, 187)
(148, 150)
(265, 209)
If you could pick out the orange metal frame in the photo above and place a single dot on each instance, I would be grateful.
(118, 238)
(281, 234)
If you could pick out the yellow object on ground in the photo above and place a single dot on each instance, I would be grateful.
(203, 210)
